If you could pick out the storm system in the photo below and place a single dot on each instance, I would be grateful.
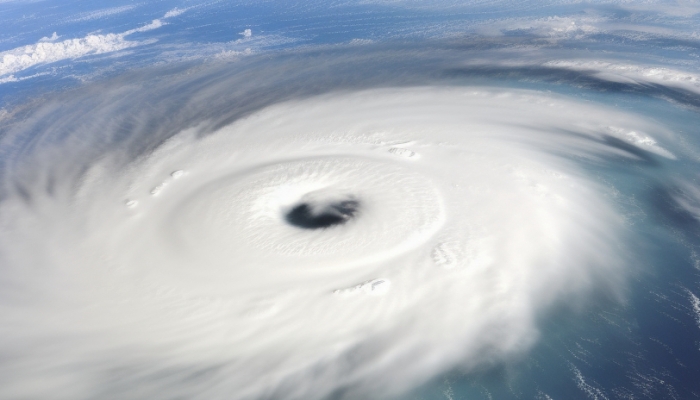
(507, 212)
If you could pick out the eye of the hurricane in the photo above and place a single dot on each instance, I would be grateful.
(320, 215)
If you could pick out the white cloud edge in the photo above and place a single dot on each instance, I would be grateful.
(51, 38)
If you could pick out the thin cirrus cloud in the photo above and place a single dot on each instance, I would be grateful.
(102, 13)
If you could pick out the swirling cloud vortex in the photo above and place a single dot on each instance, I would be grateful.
(359, 241)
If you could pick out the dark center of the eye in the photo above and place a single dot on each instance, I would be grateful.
(309, 215)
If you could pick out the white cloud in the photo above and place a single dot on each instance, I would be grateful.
(46, 51)
(631, 73)
(361, 41)
(228, 54)
(550, 27)
(155, 24)
(174, 12)
(105, 12)
(53, 38)
(10, 78)
(13, 78)
(227, 50)
(247, 33)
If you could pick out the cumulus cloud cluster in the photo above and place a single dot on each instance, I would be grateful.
(49, 50)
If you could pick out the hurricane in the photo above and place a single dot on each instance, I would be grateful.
(350, 201)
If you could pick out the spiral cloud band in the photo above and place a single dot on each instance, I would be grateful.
(348, 243)
(364, 199)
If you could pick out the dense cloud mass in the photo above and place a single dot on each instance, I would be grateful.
(366, 220)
